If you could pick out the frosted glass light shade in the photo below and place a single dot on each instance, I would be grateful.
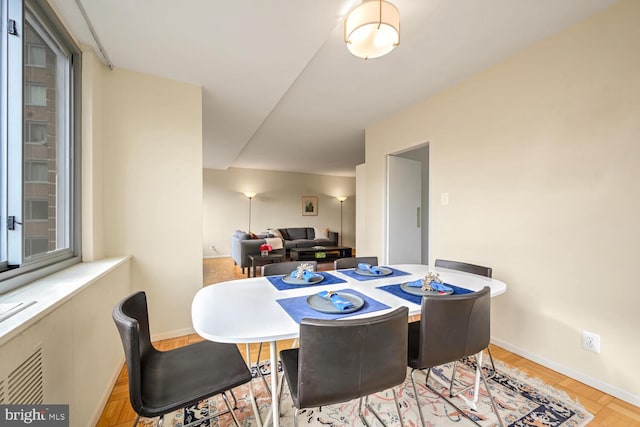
(250, 194)
(372, 29)
(341, 198)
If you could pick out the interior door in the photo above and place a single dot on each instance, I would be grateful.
(404, 204)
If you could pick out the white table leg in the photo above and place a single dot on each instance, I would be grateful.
(254, 405)
(476, 389)
(273, 351)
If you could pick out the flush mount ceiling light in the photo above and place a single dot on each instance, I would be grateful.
(372, 29)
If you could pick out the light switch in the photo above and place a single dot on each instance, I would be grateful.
(444, 199)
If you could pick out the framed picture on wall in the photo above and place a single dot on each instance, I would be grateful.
(309, 205)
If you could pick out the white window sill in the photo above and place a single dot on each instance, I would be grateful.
(51, 292)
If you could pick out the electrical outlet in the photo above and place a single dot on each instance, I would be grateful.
(591, 341)
(444, 199)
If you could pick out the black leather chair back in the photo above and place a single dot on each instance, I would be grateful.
(285, 267)
(463, 266)
(340, 360)
(132, 319)
(452, 327)
(354, 261)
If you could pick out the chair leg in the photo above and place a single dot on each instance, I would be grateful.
(450, 402)
(415, 391)
(235, 401)
(395, 399)
(362, 418)
(493, 365)
(160, 420)
(295, 418)
(254, 402)
(135, 423)
(264, 380)
(373, 411)
(493, 402)
(233, 414)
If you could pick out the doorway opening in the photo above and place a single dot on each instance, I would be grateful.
(407, 206)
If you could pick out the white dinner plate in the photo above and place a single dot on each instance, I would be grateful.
(295, 281)
(418, 291)
(385, 272)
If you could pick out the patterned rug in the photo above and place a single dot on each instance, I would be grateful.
(522, 402)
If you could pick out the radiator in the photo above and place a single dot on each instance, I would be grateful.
(24, 385)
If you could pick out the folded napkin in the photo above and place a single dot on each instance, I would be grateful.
(307, 275)
(338, 302)
(440, 287)
(368, 267)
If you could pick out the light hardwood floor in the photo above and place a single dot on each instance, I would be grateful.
(608, 410)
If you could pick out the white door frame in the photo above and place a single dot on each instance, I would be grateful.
(385, 219)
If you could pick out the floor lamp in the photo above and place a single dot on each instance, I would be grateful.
(250, 195)
(341, 199)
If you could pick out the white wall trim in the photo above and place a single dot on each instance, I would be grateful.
(102, 403)
(579, 376)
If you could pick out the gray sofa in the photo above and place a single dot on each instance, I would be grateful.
(304, 237)
(242, 245)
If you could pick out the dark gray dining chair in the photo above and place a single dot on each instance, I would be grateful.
(285, 267)
(353, 262)
(451, 327)
(347, 359)
(275, 269)
(480, 270)
(161, 382)
(463, 266)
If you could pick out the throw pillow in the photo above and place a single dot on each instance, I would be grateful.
(321, 232)
(276, 233)
(253, 235)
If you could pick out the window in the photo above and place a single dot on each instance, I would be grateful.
(36, 55)
(36, 245)
(35, 94)
(39, 153)
(35, 132)
(36, 171)
(36, 210)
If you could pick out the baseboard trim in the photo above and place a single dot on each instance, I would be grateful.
(102, 403)
(565, 370)
(216, 256)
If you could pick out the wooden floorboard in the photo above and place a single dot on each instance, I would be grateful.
(608, 410)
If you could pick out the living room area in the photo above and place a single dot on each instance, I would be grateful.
(282, 200)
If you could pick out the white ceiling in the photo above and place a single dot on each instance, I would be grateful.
(280, 89)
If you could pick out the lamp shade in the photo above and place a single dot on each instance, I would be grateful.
(341, 198)
(372, 29)
(250, 194)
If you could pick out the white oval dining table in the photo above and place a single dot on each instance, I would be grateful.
(247, 310)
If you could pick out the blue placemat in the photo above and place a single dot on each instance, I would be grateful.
(417, 299)
(298, 309)
(329, 279)
(352, 273)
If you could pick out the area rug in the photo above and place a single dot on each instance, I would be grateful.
(522, 402)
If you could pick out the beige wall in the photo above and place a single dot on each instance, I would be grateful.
(540, 156)
(277, 204)
(141, 196)
(152, 189)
